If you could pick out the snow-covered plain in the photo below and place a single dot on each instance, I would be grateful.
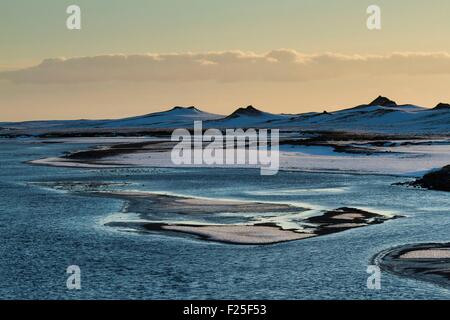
(408, 160)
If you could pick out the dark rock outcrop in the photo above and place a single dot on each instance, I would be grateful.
(435, 180)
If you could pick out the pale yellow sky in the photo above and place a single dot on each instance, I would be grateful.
(223, 54)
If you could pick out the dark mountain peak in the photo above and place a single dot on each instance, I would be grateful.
(181, 108)
(442, 106)
(382, 101)
(250, 111)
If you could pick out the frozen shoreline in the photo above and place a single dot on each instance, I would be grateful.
(426, 262)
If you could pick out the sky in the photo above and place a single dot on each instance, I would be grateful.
(287, 56)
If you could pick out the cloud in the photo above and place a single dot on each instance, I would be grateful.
(228, 66)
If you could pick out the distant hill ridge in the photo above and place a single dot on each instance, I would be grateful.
(380, 115)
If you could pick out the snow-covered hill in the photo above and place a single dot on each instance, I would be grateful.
(173, 118)
(381, 115)
(246, 117)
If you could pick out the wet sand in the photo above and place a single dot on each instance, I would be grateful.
(235, 234)
(427, 254)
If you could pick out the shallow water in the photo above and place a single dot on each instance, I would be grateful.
(43, 231)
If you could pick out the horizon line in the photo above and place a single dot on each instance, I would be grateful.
(394, 104)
